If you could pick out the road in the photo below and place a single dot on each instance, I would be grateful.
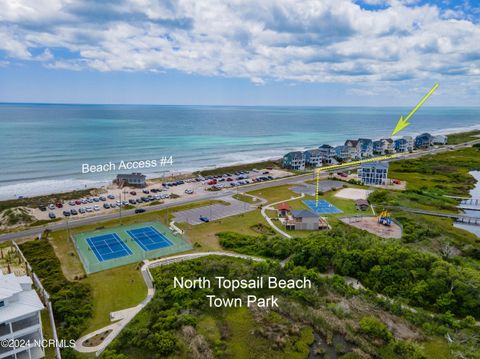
(131, 212)
(210, 196)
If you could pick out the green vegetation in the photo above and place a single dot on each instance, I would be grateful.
(45, 200)
(15, 217)
(238, 168)
(71, 301)
(244, 198)
(113, 290)
(463, 137)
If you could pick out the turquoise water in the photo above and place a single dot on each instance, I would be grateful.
(44, 146)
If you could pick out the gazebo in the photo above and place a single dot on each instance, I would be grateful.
(283, 209)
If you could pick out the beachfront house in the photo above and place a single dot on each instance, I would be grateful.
(135, 179)
(354, 149)
(425, 140)
(302, 220)
(378, 148)
(366, 147)
(383, 146)
(294, 161)
(373, 173)
(404, 144)
(313, 158)
(20, 309)
(342, 153)
(328, 154)
(440, 140)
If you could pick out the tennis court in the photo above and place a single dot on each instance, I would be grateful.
(108, 246)
(324, 207)
(149, 238)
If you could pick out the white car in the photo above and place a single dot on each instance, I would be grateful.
(84, 201)
(113, 205)
(51, 206)
(88, 209)
(96, 208)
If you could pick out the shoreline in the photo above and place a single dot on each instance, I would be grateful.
(77, 185)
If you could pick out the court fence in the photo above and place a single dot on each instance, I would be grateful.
(179, 243)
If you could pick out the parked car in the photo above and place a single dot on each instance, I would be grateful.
(42, 208)
(73, 212)
(89, 209)
(52, 215)
(66, 213)
(140, 210)
(59, 205)
(103, 199)
(78, 202)
(81, 210)
(111, 196)
(204, 219)
(113, 205)
(146, 191)
(106, 205)
(189, 191)
(71, 203)
(96, 208)
(133, 193)
(96, 199)
(132, 201)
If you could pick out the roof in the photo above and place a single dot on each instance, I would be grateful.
(295, 154)
(354, 143)
(302, 213)
(131, 175)
(365, 141)
(22, 301)
(283, 206)
(326, 146)
(374, 164)
(389, 140)
(314, 152)
(425, 135)
(361, 202)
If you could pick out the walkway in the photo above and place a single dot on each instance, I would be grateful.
(270, 222)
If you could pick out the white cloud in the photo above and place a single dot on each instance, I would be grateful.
(312, 41)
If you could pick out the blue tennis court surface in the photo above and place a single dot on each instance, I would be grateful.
(149, 238)
(108, 246)
(324, 207)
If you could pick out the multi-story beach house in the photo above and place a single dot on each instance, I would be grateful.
(302, 220)
(328, 154)
(294, 161)
(366, 147)
(20, 319)
(373, 173)
(378, 147)
(383, 146)
(404, 144)
(342, 153)
(354, 149)
(313, 158)
(440, 140)
(133, 179)
(425, 140)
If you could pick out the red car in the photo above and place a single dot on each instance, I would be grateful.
(212, 182)
(133, 193)
(77, 202)
(59, 205)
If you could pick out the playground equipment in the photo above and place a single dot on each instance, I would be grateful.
(384, 218)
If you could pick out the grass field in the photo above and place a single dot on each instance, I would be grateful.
(463, 137)
(115, 289)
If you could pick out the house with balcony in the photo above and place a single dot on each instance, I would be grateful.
(342, 153)
(20, 319)
(373, 173)
(328, 154)
(425, 140)
(404, 144)
(313, 158)
(366, 147)
(440, 140)
(303, 220)
(383, 146)
(294, 161)
(353, 149)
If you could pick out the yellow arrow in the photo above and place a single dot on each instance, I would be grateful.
(403, 122)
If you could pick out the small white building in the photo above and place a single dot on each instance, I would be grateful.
(20, 319)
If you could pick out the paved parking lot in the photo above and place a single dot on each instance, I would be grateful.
(323, 186)
(215, 211)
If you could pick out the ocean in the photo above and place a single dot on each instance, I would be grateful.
(43, 146)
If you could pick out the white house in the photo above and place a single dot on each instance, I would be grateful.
(373, 173)
(20, 319)
(354, 149)
(328, 154)
(440, 140)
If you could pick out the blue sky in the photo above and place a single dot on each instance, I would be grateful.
(274, 52)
